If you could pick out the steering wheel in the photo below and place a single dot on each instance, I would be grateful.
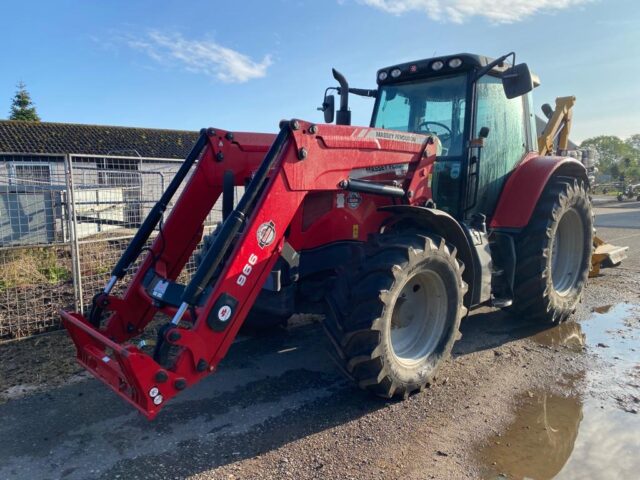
(444, 138)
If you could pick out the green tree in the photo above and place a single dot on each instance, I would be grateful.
(22, 108)
(634, 141)
(614, 170)
(613, 152)
(633, 173)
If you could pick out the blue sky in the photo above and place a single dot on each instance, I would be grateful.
(245, 65)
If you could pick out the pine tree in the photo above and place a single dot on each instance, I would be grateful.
(22, 108)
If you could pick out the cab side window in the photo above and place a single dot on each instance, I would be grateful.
(507, 141)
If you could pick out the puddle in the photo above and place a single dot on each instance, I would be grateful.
(564, 438)
(593, 435)
(568, 334)
(614, 337)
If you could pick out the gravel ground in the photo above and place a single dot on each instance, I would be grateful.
(279, 409)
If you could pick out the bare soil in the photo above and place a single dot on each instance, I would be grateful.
(36, 364)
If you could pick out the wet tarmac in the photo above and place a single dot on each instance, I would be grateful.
(592, 428)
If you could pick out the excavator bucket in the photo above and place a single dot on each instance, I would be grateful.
(605, 255)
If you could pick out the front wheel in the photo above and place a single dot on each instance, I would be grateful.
(554, 253)
(394, 320)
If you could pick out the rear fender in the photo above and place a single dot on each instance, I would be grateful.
(442, 224)
(524, 186)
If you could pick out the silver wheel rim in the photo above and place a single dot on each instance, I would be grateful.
(567, 250)
(419, 318)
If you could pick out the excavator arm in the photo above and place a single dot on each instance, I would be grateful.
(558, 126)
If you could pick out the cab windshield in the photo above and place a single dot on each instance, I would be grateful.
(435, 105)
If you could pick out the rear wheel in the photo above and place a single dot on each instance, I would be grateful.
(394, 320)
(554, 253)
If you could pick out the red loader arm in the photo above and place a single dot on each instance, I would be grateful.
(302, 158)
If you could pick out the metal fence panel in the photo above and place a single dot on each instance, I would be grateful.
(35, 255)
(35, 282)
(64, 222)
(110, 206)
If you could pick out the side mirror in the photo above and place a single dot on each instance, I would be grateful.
(517, 80)
(328, 108)
(484, 132)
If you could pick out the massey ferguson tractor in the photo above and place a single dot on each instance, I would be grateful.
(394, 231)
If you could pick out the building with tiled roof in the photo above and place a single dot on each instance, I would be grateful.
(118, 173)
(62, 138)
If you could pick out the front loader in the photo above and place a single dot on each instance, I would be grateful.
(394, 231)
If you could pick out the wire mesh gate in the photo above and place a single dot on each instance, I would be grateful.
(64, 222)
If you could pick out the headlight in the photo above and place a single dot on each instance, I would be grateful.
(437, 65)
(455, 62)
(382, 76)
(395, 73)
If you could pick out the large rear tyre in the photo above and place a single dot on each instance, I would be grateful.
(554, 253)
(393, 321)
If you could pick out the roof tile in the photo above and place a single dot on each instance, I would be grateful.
(46, 137)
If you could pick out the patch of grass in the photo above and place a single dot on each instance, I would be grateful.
(98, 258)
(27, 267)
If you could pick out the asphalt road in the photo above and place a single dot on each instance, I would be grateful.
(250, 408)
(619, 223)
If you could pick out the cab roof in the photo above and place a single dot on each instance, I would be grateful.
(425, 68)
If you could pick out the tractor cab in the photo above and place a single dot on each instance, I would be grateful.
(475, 107)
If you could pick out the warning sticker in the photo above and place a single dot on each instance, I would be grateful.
(354, 199)
(455, 171)
(224, 313)
(160, 288)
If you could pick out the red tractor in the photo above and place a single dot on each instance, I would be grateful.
(393, 231)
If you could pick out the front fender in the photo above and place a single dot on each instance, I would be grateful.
(444, 225)
(524, 186)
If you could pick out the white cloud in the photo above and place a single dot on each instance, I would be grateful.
(200, 56)
(457, 11)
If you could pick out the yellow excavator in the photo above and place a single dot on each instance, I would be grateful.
(554, 140)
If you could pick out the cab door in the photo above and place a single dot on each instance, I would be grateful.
(508, 141)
